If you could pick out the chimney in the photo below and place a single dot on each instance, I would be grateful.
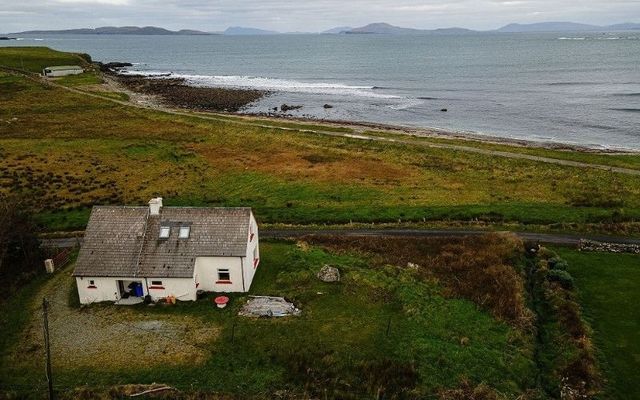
(155, 205)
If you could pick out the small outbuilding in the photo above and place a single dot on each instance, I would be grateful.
(62, 70)
(166, 252)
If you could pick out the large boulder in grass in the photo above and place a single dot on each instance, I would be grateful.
(329, 274)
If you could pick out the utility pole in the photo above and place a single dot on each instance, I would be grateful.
(45, 325)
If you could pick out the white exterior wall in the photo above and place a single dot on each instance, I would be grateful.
(65, 72)
(183, 288)
(252, 260)
(206, 274)
(106, 289)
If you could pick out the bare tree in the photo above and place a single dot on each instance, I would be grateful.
(20, 253)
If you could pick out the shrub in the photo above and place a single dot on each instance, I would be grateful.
(562, 277)
(557, 263)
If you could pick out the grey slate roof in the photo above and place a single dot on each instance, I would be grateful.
(124, 241)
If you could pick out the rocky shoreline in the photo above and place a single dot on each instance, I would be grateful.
(175, 92)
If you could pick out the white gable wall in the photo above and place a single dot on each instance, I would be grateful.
(206, 274)
(252, 258)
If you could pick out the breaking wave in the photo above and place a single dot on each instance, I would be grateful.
(633, 110)
(270, 84)
(626, 94)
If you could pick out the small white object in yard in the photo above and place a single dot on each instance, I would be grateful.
(413, 266)
(267, 306)
(329, 274)
(48, 266)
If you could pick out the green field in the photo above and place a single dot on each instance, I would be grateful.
(73, 151)
(380, 330)
(608, 289)
(35, 59)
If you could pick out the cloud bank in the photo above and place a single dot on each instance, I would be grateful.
(306, 15)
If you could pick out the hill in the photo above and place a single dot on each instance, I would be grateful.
(387, 29)
(115, 30)
(239, 30)
(336, 30)
(565, 27)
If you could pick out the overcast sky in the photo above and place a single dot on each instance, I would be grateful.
(306, 15)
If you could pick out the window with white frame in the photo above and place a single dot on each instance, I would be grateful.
(164, 232)
(224, 275)
(184, 232)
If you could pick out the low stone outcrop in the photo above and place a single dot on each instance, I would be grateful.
(592, 245)
(329, 274)
(268, 306)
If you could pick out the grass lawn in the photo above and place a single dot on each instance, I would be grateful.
(72, 151)
(380, 330)
(86, 78)
(623, 160)
(608, 289)
(35, 59)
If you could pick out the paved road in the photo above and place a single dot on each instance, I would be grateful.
(549, 238)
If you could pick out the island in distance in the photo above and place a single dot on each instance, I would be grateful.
(117, 30)
(380, 28)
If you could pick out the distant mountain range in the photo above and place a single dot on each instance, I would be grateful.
(387, 29)
(379, 28)
(118, 30)
(239, 30)
(337, 30)
(567, 27)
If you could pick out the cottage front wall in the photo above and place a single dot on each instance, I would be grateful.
(207, 274)
(102, 289)
(184, 289)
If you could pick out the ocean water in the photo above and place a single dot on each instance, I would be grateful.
(581, 88)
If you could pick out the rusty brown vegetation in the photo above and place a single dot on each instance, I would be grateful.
(574, 367)
(481, 269)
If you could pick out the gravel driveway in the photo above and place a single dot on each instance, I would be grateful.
(108, 337)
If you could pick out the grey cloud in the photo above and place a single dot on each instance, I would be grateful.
(309, 15)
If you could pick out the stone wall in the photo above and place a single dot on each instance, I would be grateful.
(592, 245)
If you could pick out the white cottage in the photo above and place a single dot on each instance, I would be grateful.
(62, 70)
(166, 251)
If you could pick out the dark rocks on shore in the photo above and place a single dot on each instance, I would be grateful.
(113, 66)
(175, 92)
(327, 106)
(7, 38)
(286, 107)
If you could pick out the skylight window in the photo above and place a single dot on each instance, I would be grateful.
(164, 232)
(184, 232)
